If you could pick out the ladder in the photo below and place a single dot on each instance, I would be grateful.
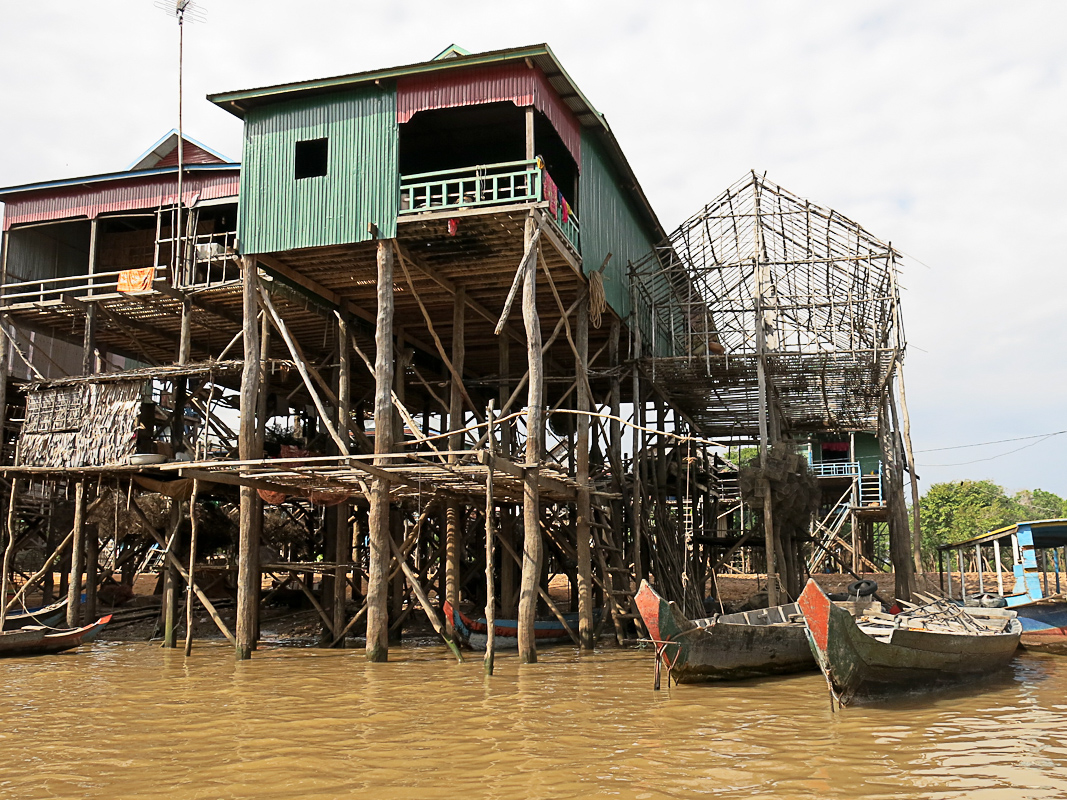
(615, 574)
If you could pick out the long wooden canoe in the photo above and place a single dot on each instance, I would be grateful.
(884, 654)
(48, 616)
(751, 644)
(37, 640)
(473, 632)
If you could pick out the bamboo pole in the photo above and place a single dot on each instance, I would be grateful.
(193, 531)
(532, 549)
(248, 574)
(170, 580)
(380, 539)
(583, 531)
(204, 600)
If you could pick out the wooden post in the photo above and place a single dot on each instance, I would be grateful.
(77, 559)
(916, 541)
(764, 443)
(582, 527)
(92, 569)
(9, 550)
(490, 588)
(508, 574)
(453, 512)
(637, 465)
(531, 148)
(248, 574)
(380, 542)
(193, 531)
(343, 531)
(170, 579)
(535, 435)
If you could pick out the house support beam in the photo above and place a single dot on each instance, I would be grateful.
(248, 574)
(535, 436)
(380, 544)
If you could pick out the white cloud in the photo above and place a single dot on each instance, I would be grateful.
(938, 125)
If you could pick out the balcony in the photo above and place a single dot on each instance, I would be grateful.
(508, 183)
(832, 469)
(211, 262)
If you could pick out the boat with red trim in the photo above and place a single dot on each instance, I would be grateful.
(923, 646)
(749, 644)
(473, 632)
(36, 640)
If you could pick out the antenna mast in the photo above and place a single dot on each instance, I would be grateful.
(180, 9)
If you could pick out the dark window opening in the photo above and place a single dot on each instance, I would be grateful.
(312, 156)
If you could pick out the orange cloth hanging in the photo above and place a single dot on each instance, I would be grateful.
(137, 280)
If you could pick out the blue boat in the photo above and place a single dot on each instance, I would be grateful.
(1038, 551)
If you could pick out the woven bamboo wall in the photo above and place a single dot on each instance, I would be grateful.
(85, 425)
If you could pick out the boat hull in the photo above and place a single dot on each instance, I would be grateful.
(1044, 625)
(34, 641)
(48, 616)
(694, 652)
(474, 632)
(858, 665)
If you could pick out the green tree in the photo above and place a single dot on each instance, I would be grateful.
(1040, 504)
(953, 512)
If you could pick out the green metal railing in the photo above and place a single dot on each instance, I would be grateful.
(471, 187)
(478, 187)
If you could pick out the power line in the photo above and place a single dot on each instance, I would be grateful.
(998, 441)
(991, 458)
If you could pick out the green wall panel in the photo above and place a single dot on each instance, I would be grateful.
(609, 224)
(361, 185)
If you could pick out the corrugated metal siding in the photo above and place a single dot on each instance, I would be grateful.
(362, 181)
(126, 195)
(497, 84)
(609, 224)
(55, 251)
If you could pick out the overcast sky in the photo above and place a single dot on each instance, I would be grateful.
(937, 125)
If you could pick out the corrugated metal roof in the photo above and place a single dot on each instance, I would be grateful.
(515, 82)
(156, 155)
(88, 198)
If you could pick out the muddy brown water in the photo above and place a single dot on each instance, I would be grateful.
(125, 720)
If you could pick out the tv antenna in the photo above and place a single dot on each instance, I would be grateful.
(184, 11)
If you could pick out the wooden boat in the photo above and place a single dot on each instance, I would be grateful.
(1036, 546)
(49, 616)
(37, 640)
(923, 646)
(751, 644)
(473, 632)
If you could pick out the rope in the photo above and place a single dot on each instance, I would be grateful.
(598, 302)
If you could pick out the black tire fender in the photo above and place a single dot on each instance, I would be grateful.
(862, 588)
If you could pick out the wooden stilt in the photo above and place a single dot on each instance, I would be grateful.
(77, 559)
(170, 580)
(343, 530)
(532, 549)
(490, 587)
(583, 531)
(380, 541)
(454, 531)
(9, 549)
(92, 570)
(248, 574)
(193, 531)
(508, 575)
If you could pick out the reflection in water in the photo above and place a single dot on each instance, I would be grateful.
(132, 720)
